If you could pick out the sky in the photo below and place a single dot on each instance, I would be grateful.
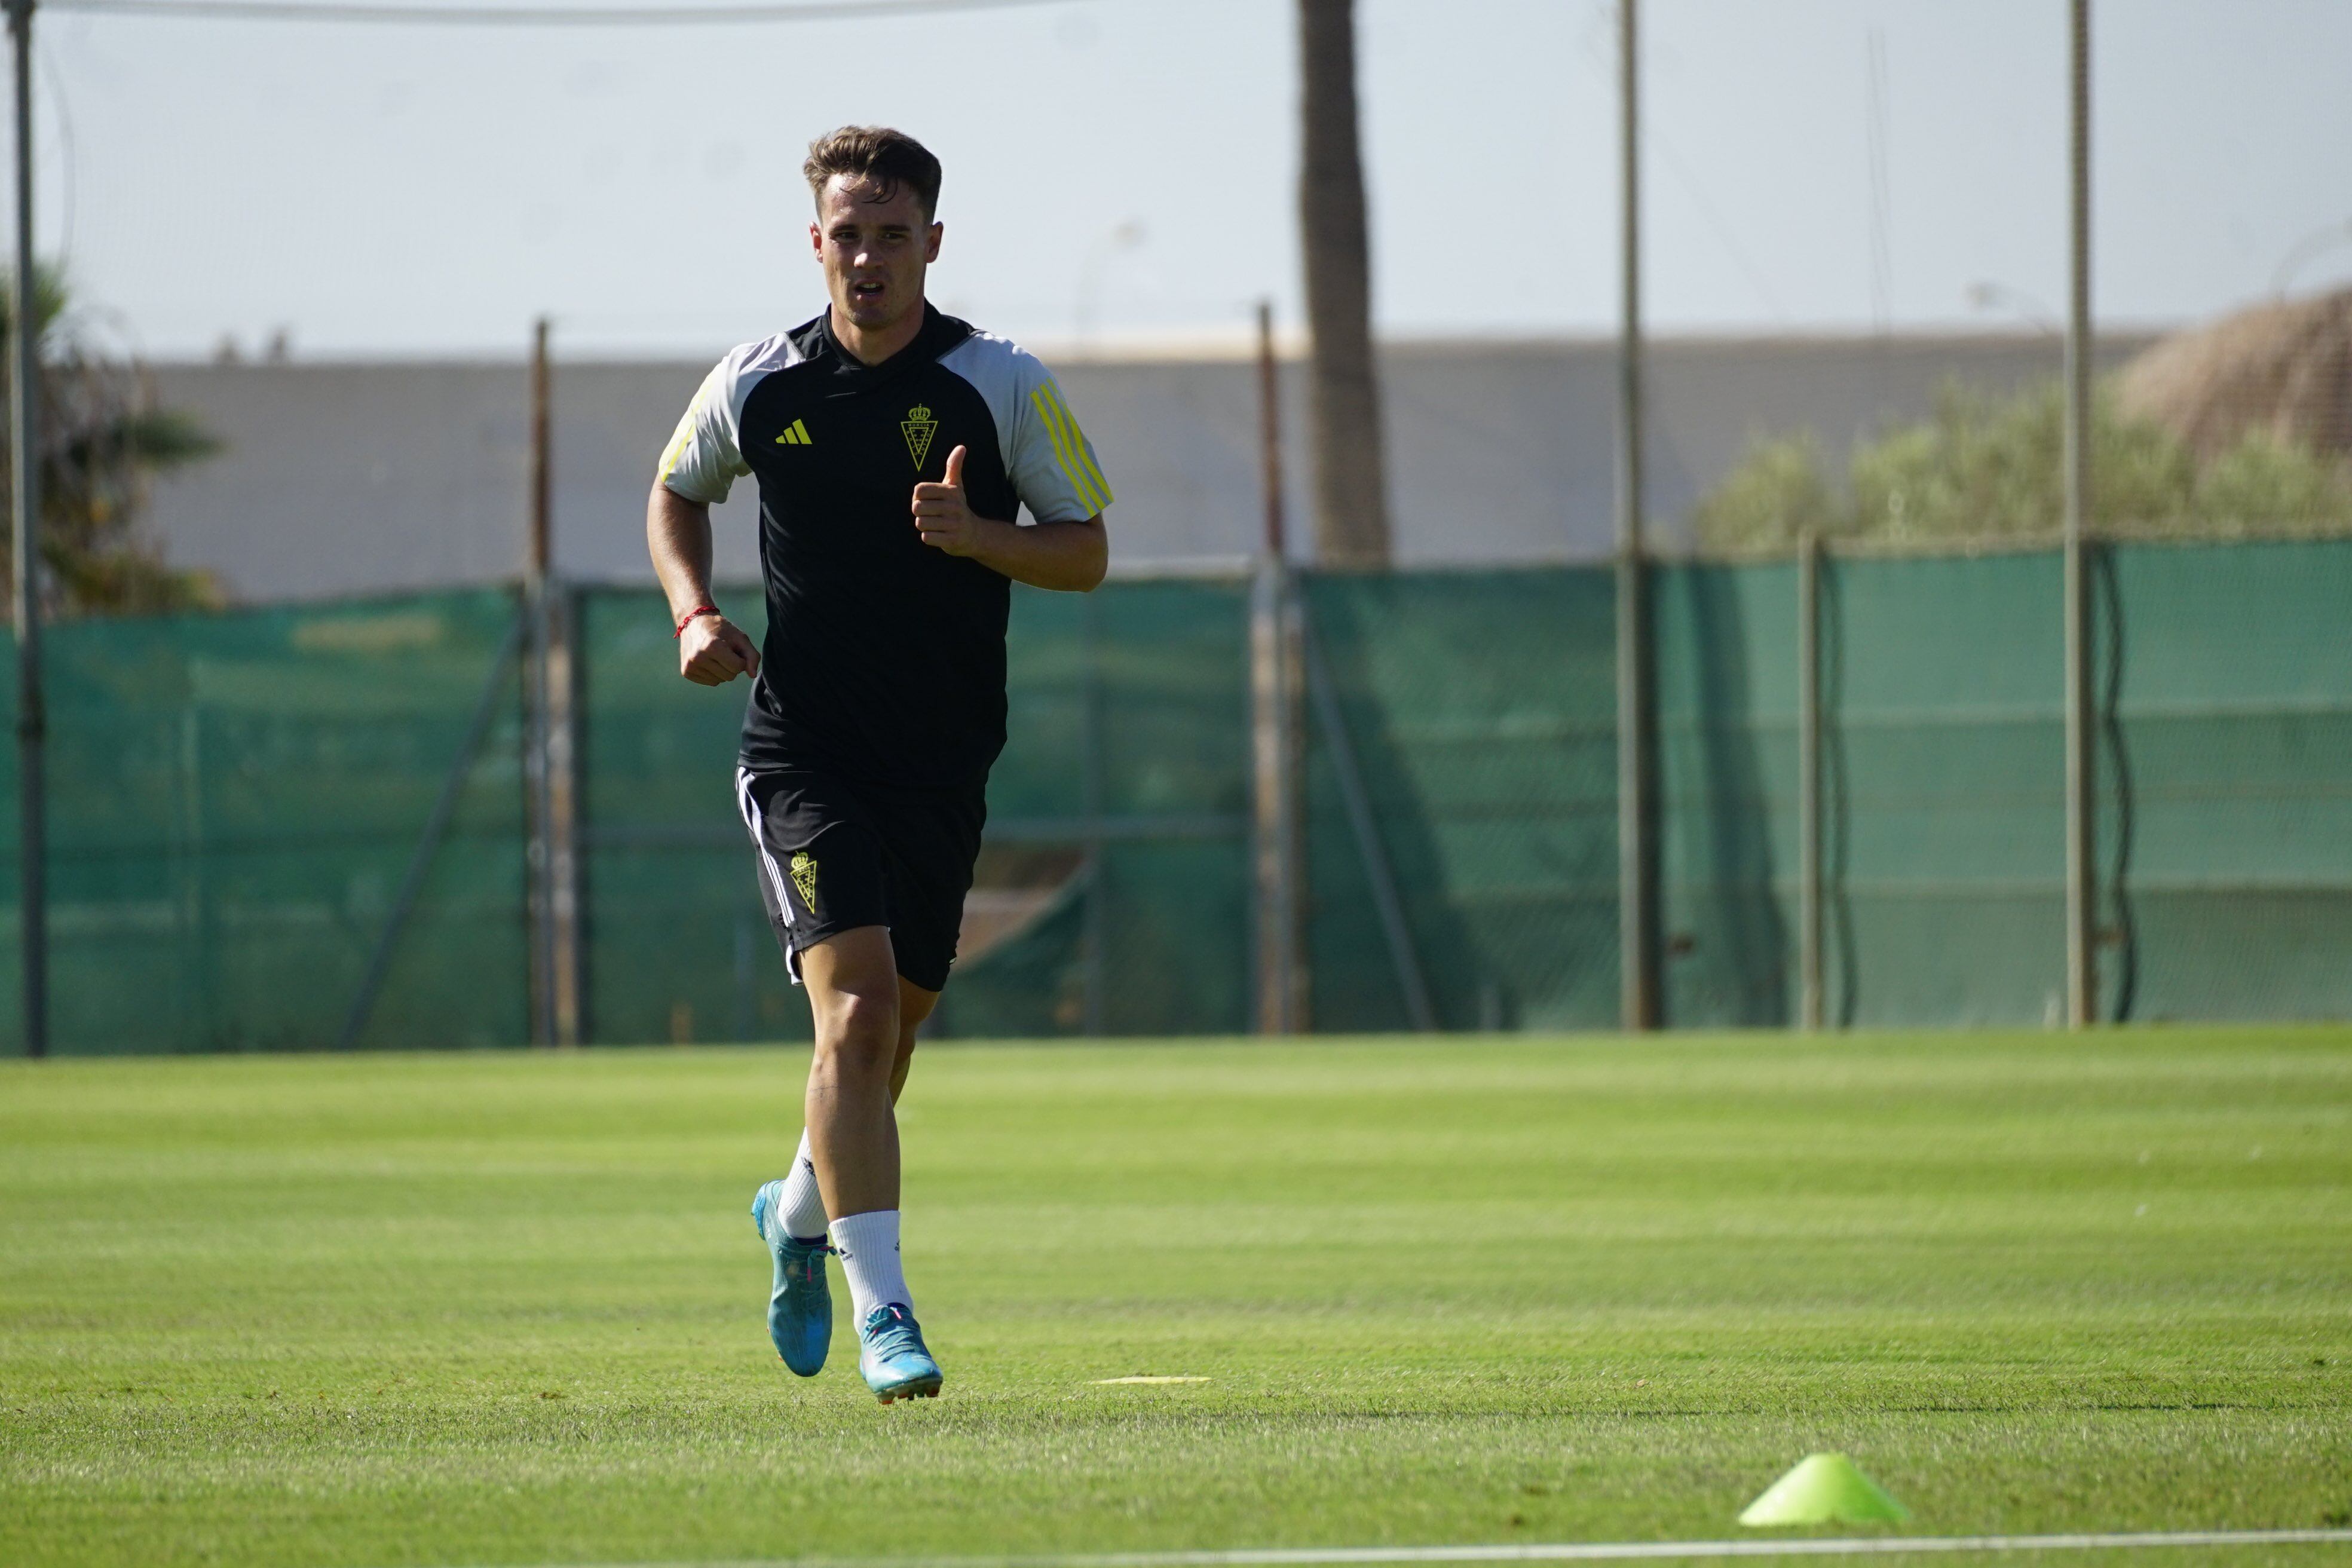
(1121, 172)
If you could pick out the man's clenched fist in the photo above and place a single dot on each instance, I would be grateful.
(943, 518)
(713, 650)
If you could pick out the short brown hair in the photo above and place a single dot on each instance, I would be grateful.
(875, 153)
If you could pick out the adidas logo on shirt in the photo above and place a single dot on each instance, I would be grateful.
(795, 435)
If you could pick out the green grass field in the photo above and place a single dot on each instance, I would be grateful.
(506, 1309)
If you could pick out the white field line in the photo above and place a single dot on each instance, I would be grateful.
(1561, 1552)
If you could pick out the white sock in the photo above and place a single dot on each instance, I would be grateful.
(868, 1245)
(801, 1207)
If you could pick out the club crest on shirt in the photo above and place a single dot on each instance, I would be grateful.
(919, 428)
(805, 877)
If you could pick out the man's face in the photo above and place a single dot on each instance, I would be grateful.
(874, 250)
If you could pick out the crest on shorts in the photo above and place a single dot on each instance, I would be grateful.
(919, 428)
(805, 877)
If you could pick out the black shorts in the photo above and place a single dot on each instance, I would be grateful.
(834, 856)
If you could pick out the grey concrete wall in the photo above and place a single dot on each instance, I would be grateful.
(342, 478)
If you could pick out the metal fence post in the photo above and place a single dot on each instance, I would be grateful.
(1809, 780)
(550, 854)
(1275, 849)
(567, 951)
(24, 470)
(537, 848)
(2081, 888)
(1636, 791)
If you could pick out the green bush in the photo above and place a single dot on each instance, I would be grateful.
(1991, 468)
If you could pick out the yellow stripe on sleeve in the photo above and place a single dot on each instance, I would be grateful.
(1065, 450)
(1088, 479)
(1080, 445)
(1061, 440)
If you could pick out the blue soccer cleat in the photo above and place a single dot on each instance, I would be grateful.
(892, 1357)
(799, 1306)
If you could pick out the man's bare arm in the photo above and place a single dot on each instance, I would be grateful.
(711, 650)
(1068, 556)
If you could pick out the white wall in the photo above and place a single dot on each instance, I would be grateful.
(342, 478)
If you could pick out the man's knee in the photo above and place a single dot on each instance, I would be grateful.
(854, 985)
(859, 1027)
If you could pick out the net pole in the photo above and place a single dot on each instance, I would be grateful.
(1636, 862)
(543, 510)
(1809, 780)
(559, 691)
(569, 952)
(2082, 973)
(551, 765)
(539, 853)
(25, 472)
(1273, 727)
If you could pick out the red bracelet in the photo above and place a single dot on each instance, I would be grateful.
(695, 614)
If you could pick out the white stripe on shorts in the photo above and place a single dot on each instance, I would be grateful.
(758, 827)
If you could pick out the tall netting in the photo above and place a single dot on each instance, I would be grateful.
(1478, 712)
(675, 942)
(236, 802)
(1726, 680)
(2226, 792)
(2222, 766)
(272, 824)
(1943, 790)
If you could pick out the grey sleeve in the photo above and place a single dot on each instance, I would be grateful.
(1048, 458)
(702, 460)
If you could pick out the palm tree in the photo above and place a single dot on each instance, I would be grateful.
(103, 438)
(1351, 513)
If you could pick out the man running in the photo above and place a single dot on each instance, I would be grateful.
(894, 448)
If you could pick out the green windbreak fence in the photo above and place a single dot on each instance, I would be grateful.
(676, 944)
(1942, 798)
(2230, 676)
(235, 802)
(2223, 680)
(1478, 710)
(1944, 795)
(255, 812)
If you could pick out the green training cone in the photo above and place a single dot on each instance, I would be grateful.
(1824, 1489)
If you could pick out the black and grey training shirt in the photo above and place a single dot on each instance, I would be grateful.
(884, 662)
